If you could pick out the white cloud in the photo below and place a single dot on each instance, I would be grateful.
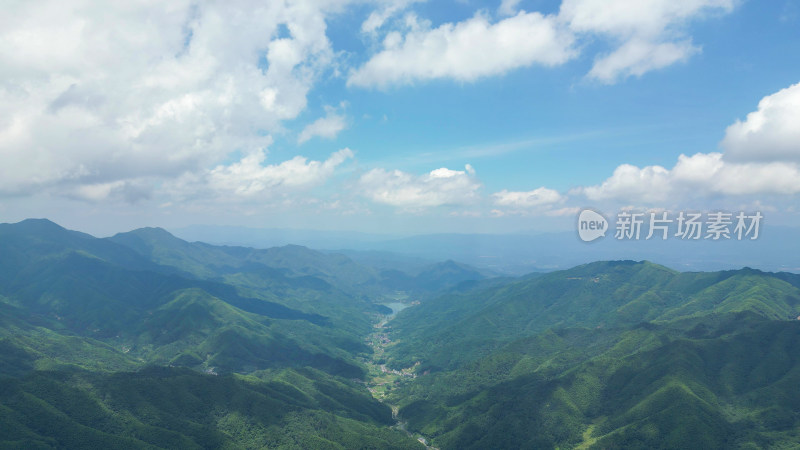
(645, 35)
(326, 127)
(628, 182)
(637, 57)
(378, 17)
(250, 178)
(762, 157)
(130, 191)
(703, 174)
(99, 93)
(115, 94)
(650, 34)
(537, 197)
(538, 202)
(645, 18)
(436, 188)
(466, 50)
(772, 133)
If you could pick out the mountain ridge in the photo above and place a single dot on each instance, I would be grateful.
(116, 340)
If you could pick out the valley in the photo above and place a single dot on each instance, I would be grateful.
(380, 380)
(143, 340)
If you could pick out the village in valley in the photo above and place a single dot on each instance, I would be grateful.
(380, 378)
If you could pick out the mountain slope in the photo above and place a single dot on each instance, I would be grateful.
(177, 408)
(606, 355)
(91, 331)
(294, 267)
(71, 287)
(604, 295)
(207, 261)
(432, 279)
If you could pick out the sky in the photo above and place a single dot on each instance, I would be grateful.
(396, 116)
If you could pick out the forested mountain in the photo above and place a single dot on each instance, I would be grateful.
(93, 332)
(143, 340)
(295, 265)
(607, 355)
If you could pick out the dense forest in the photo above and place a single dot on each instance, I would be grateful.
(143, 340)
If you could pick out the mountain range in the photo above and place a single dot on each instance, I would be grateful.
(145, 340)
(616, 354)
(525, 252)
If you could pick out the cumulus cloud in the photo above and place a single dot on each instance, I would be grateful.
(631, 183)
(249, 178)
(537, 197)
(100, 93)
(538, 202)
(771, 133)
(325, 127)
(103, 96)
(436, 188)
(637, 57)
(697, 175)
(645, 18)
(466, 50)
(650, 34)
(645, 35)
(762, 156)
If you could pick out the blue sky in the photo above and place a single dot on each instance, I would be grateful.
(396, 116)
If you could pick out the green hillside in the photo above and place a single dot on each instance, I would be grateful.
(93, 335)
(607, 355)
(292, 267)
(143, 340)
(177, 408)
(73, 285)
(462, 326)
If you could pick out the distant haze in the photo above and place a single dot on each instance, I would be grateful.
(774, 250)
